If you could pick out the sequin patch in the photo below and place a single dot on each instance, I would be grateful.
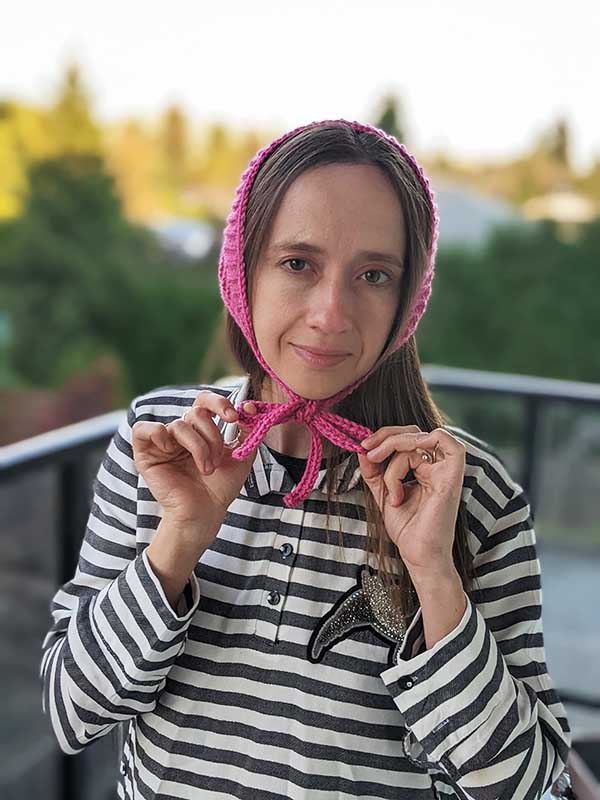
(366, 605)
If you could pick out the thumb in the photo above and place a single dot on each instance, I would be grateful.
(244, 431)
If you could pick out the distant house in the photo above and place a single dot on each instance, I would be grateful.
(186, 237)
(467, 216)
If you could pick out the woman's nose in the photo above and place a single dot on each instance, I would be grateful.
(330, 306)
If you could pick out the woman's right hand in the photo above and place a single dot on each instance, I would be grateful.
(186, 463)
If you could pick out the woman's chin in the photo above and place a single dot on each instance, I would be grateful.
(317, 387)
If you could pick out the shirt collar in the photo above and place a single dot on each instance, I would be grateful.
(268, 475)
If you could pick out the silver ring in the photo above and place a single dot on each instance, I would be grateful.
(430, 457)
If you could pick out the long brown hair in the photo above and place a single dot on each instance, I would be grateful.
(395, 393)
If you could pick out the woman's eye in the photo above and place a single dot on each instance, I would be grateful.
(289, 260)
(367, 272)
(381, 272)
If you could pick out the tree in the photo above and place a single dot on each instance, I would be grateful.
(391, 118)
(174, 145)
(72, 126)
(557, 142)
(78, 281)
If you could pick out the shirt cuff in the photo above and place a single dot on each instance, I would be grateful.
(186, 606)
(420, 685)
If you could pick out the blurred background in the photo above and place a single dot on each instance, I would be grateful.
(124, 130)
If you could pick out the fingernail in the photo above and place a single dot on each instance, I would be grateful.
(230, 413)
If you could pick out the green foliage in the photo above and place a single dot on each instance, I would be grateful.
(77, 280)
(526, 303)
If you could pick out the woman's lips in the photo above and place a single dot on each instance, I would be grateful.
(317, 360)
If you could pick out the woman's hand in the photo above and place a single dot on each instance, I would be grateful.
(187, 465)
(419, 516)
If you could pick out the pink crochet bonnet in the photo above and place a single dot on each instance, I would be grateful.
(232, 282)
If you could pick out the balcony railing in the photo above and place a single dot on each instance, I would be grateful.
(45, 493)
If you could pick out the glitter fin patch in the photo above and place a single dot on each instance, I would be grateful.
(366, 605)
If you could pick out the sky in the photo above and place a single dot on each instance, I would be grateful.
(476, 80)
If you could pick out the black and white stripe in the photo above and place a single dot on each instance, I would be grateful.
(219, 697)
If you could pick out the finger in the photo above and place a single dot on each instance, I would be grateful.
(206, 409)
(243, 431)
(207, 430)
(207, 400)
(244, 428)
(201, 414)
(249, 408)
(155, 433)
(397, 493)
(430, 456)
(191, 440)
(448, 446)
(398, 468)
(368, 469)
(382, 433)
(399, 442)
(371, 474)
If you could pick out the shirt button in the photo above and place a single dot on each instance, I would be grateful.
(286, 550)
(273, 598)
(407, 683)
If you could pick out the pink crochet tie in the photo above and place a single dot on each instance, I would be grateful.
(310, 412)
(232, 284)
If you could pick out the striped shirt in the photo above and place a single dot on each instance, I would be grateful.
(283, 673)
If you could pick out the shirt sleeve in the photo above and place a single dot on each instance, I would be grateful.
(479, 706)
(114, 635)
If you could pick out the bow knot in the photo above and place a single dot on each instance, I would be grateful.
(320, 422)
(307, 412)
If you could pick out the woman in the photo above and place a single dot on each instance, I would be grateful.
(248, 654)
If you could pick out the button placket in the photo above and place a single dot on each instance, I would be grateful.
(279, 571)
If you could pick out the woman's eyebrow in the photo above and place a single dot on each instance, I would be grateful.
(307, 247)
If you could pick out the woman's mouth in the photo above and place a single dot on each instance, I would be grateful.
(317, 360)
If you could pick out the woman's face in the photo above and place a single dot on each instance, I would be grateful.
(342, 294)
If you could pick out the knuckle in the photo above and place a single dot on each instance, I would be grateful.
(204, 399)
(201, 398)
(191, 415)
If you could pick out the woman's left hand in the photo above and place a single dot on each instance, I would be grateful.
(419, 516)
